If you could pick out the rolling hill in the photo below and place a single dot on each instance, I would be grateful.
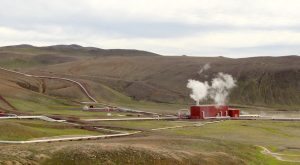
(121, 75)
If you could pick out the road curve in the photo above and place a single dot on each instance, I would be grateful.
(58, 78)
(278, 156)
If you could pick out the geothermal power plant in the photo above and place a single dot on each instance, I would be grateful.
(218, 91)
(202, 112)
(212, 112)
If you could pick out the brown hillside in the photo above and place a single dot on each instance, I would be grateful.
(146, 76)
(261, 80)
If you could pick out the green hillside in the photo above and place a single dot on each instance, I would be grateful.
(123, 76)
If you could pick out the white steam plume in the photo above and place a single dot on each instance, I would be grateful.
(221, 87)
(199, 90)
(218, 90)
(204, 68)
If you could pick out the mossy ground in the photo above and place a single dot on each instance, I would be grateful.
(16, 130)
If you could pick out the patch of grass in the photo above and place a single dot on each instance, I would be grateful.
(18, 63)
(33, 106)
(259, 128)
(265, 133)
(113, 97)
(29, 129)
(155, 107)
(179, 146)
(72, 155)
(142, 124)
(46, 106)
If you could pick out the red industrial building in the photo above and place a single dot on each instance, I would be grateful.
(212, 111)
(2, 113)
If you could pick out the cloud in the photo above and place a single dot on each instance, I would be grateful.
(193, 27)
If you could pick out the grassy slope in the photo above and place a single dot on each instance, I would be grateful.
(239, 135)
(266, 81)
(206, 145)
(273, 134)
(30, 129)
(277, 136)
(26, 94)
(261, 81)
(18, 63)
(144, 125)
(47, 107)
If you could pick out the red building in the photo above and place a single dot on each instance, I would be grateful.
(212, 111)
(233, 112)
(2, 113)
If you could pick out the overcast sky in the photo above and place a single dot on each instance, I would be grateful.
(232, 28)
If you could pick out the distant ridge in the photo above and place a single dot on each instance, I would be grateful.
(74, 49)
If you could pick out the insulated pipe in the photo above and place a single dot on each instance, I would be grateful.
(53, 77)
(203, 114)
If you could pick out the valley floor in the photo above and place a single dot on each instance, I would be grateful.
(181, 142)
(163, 142)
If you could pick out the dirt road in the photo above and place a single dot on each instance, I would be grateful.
(279, 156)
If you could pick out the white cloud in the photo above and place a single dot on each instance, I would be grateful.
(195, 27)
